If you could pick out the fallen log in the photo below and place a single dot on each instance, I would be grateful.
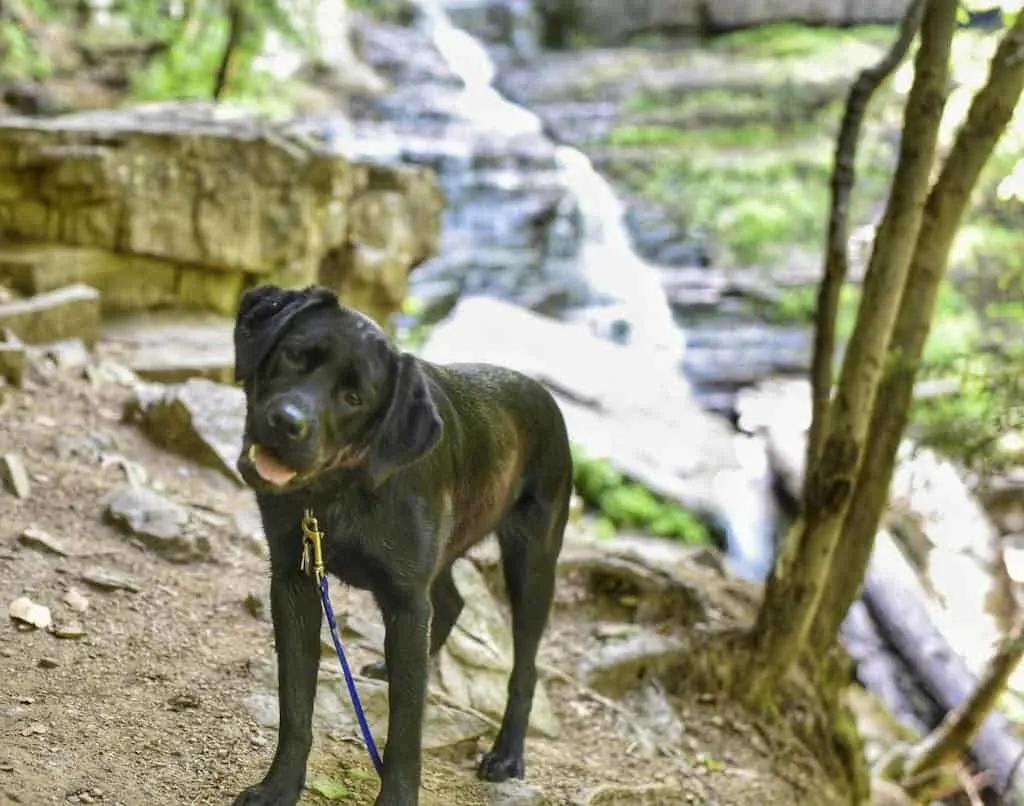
(898, 604)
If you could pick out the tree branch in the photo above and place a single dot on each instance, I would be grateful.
(844, 174)
(954, 735)
(794, 590)
(990, 113)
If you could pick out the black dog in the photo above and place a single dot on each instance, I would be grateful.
(406, 464)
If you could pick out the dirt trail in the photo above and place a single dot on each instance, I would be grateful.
(148, 707)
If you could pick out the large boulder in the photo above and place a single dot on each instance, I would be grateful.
(189, 204)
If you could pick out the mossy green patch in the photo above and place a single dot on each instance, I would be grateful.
(793, 40)
(626, 504)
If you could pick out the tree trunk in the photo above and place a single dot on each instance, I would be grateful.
(844, 175)
(229, 63)
(793, 590)
(956, 732)
(192, 20)
(987, 119)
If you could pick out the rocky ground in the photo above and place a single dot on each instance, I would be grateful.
(150, 683)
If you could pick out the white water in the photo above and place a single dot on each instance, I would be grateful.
(613, 270)
(617, 274)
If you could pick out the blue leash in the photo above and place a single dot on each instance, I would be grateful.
(313, 537)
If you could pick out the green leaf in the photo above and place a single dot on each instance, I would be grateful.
(328, 788)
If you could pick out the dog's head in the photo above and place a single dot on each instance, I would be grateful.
(325, 389)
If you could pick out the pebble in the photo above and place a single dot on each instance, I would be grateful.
(72, 630)
(13, 475)
(106, 580)
(48, 663)
(35, 538)
(26, 611)
(76, 600)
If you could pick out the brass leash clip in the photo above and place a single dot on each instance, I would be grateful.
(312, 540)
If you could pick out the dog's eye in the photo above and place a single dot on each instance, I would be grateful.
(293, 358)
(352, 398)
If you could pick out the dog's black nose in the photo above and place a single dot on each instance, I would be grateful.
(289, 419)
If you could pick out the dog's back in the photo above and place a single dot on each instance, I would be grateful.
(507, 443)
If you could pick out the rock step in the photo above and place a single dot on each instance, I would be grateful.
(71, 312)
(171, 347)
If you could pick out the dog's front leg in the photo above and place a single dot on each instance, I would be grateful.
(407, 627)
(295, 609)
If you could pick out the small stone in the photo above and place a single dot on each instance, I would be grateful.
(183, 702)
(516, 793)
(48, 663)
(159, 523)
(13, 475)
(26, 611)
(145, 513)
(35, 729)
(108, 581)
(76, 600)
(34, 538)
(72, 630)
(68, 354)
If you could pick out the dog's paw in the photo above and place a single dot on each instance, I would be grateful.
(375, 671)
(498, 766)
(268, 795)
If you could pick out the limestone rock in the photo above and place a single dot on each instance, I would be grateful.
(13, 475)
(199, 419)
(40, 540)
(157, 521)
(516, 793)
(620, 665)
(26, 611)
(187, 204)
(12, 359)
(642, 795)
(172, 347)
(71, 312)
(476, 661)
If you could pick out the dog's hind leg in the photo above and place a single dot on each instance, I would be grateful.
(530, 537)
(447, 605)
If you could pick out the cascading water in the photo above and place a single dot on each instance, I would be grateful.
(625, 299)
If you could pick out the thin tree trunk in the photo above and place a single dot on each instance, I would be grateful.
(956, 732)
(844, 175)
(987, 119)
(792, 593)
(192, 20)
(228, 68)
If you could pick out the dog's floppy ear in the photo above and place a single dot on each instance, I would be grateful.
(411, 427)
(263, 314)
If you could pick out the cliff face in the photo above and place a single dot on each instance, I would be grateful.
(612, 21)
(184, 205)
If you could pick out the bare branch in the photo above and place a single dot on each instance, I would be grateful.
(987, 118)
(954, 735)
(844, 174)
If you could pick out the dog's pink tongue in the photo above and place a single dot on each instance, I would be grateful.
(270, 469)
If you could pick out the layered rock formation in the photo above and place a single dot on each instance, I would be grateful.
(175, 205)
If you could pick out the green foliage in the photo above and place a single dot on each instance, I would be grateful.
(625, 504)
(20, 56)
(788, 40)
(187, 69)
